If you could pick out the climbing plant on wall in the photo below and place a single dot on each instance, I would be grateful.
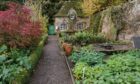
(93, 6)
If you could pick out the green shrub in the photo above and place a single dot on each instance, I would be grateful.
(16, 65)
(12, 62)
(120, 69)
(123, 68)
(88, 55)
(83, 38)
(82, 70)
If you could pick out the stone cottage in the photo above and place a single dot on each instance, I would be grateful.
(71, 18)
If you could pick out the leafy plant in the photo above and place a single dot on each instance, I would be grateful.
(3, 54)
(82, 70)
(88, 55)
(7, 73)
(83, 38)
(21, 57)
(17, 27)
(12, 62)
(123, 68)
(92, 58)
(3, 48)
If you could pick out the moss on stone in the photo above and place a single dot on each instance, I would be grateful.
(111, 34)
(95, 21)
(117, 2)
(98, 20)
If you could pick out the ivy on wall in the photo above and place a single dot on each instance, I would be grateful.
(95, 20)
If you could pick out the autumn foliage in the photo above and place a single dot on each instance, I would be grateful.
(17, 29)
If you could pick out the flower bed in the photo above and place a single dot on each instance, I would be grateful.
(92, 68)
(16, 65)
(21, 42)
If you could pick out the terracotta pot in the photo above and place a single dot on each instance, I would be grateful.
(67, 48)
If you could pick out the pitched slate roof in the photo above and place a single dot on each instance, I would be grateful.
(67, 6)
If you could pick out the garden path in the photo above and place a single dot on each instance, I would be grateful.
(52, 68)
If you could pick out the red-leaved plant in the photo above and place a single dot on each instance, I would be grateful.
(16, 27)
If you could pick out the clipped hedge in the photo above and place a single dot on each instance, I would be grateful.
(23, 76)
(34, 57)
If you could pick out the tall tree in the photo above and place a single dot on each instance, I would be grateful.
(51, 7)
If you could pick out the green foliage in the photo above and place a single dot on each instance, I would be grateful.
(24, 75)
(117, 18)
(77, 54)
(83, 38)
(95, 23)
(123, 68)
(3, 48)
(12, 62)
(51, 8)
(116, 2)
(16, 64)
(87, 55)
(92, 58)
(3, 53)
(82, 70)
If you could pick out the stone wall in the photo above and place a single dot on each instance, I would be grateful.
(132, 20)
(103, 24)
(108, 27)
(119, 22)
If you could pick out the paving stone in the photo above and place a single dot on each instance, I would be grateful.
(52, 68)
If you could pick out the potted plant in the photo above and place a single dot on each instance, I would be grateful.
(67, 48)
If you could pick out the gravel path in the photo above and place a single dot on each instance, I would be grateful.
(52, 68)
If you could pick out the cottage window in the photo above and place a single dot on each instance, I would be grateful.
(80, 26)
(63, 26)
